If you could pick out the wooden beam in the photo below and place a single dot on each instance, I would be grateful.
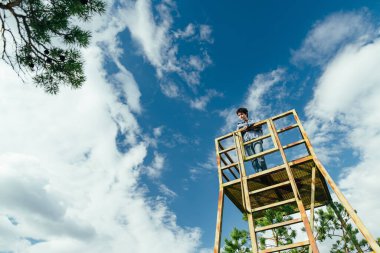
(280, 224)
(282, 115)
(266, 152)
(287, 128)
(293, 144)
(236, 168)
(219, 221)
(226, 150)
(279, 203)
(269, 187)
(284, 247)
(268, 171)
(262, 137)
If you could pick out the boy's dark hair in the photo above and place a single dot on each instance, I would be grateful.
(242, 110)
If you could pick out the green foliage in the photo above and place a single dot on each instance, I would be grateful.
(238, 243)
(239, 239)
(278, 236)
(328, 225)
(46, 39)
(339, 228)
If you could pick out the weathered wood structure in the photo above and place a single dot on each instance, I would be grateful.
(299, 179)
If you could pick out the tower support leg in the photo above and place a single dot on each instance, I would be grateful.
(219, 221)
(312, 204)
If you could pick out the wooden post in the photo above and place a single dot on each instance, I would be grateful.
(219, 216)
(219, 220)
(312, 200)
(355, 218)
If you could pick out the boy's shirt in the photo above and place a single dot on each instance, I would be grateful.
(251, 134)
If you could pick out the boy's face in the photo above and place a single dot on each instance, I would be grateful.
(242, 116)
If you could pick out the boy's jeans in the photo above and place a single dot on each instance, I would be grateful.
(257, 163)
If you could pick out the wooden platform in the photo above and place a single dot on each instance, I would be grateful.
(271, 186)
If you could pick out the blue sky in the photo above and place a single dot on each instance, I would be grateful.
(128, 163)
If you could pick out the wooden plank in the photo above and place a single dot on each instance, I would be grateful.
(293, 144)
(280, 224)
(224, 137)
(268, 171)
(351, 212)
(227, 150)
(229, 166)
(269, 187)
(236, 168)
(287, 128)
(236, 181)
(227, 155)
(230, 160)
(282, 115)
(300, 160)
(280, 203)
(257, 139)
(266, 152)
(284, 247)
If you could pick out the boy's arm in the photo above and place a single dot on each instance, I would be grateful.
(250, 126)
(242, 126)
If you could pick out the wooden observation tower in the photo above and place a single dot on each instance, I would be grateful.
(298, 179)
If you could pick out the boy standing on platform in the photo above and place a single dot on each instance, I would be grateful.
(249, 132)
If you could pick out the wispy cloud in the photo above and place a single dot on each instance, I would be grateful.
(158, 42)
(255, 99)
(154, 170)
(201, 102)
(331, 34)
(151, 27)
(188, 32)
(205, 33)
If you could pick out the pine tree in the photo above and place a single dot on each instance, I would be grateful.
(277, 236)
(238, 242)
(43, 37)
(334, 223)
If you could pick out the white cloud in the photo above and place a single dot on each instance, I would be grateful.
(157, 131)
(205, 32)
(166, 191)
(330, 34)
(154, 170)
(254, 100)
(201, 102)
(201, 33)
(262, 83)
(345, 101)
(188, 32)
(170, 89)
(64, 181)
(152, 36)
(158, 42)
